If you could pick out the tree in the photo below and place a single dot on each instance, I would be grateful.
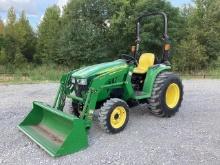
(1, 34)
(3, 58)
(11, 16)
(48, 34)
(25, 37)
(205, 17)
(1, 27)
(107, 42)
(20, 60)
(84, 35)
(201, 40)
(9, 38)
(192, 55)
(123, 23)
(19, 38)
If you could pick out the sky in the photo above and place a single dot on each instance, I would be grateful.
(35, 8)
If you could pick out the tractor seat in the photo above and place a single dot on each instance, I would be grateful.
(146, 60)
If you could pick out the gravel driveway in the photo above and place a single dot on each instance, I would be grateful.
(192, 136)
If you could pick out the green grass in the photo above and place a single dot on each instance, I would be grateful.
(32, 74)
(212, 73)
(53, 73)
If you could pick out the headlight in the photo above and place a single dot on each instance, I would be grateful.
(82, 81)
(73, 80)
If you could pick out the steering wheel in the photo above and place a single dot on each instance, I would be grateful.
(129, 59)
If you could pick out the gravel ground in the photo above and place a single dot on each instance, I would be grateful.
(192, 136)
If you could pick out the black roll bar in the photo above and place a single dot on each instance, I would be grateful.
(147, 14)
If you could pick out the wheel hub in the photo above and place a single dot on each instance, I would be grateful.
(172, 95)
(118, 117)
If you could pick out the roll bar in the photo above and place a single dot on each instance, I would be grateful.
(144, 15)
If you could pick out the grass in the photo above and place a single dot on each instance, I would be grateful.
(32, 74)
(53, 73)
(212, 73)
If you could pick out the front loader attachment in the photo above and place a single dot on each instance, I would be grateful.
(55, 131)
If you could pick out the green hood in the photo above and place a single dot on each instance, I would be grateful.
(98, 69)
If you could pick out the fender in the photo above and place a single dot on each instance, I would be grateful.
(151, 76)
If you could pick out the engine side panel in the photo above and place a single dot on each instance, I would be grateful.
(110, 81)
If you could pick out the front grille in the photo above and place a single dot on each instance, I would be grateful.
(80, 89)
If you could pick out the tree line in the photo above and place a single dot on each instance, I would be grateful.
(93, 31)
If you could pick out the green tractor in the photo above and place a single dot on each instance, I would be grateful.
(107, 91)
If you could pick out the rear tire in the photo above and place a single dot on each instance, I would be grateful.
(167, 95)
(113, 115)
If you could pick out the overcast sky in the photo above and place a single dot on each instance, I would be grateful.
(36, 8)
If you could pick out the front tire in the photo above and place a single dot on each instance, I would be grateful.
(113, 115)
(167, 95)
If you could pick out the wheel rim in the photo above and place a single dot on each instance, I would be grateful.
(172, 95)
(118, 117)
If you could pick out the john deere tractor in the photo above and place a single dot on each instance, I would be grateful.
(107, 90)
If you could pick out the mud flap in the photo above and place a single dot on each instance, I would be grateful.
(56, 132)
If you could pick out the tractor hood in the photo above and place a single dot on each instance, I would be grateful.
(98, 69)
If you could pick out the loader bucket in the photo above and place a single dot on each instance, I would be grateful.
(55, 131)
